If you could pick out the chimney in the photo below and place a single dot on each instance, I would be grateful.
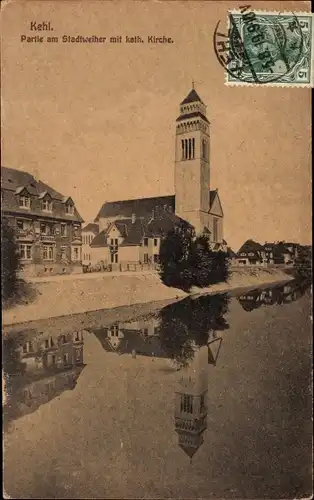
(133, 218)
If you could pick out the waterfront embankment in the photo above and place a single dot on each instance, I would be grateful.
(61, 296)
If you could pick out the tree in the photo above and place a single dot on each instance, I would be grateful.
(10, 261)
(174, 256)
(185, 326)
(186, 261)
(303, 264)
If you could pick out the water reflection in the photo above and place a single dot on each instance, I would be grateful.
(174, 333)
(37, 368)
(278, 295)
(186, 333)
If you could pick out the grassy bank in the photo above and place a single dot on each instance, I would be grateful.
(70, 297)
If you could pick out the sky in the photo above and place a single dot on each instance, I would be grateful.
(97, 121)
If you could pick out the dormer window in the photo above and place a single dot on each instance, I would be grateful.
(69, 209)
(24, 201)
(47, 205)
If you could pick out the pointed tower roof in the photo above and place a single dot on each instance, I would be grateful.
(189, 450)
(192, 97)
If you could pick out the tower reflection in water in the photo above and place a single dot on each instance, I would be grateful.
(38, 368)
(186, 334)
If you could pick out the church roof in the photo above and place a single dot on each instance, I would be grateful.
(143, 207)
(192, 97)
(91, 227)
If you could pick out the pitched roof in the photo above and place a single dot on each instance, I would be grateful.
(192, 97)
(250, 246)
(14, 181)
(143, 207)
(134, 232)
(91, 228)
(192, 115)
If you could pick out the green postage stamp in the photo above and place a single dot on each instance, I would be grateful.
(266, 48)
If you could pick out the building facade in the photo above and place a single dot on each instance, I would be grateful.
(89, 232)
(44, 366)
(47, 224)
(130, 230)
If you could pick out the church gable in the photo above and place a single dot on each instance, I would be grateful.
(215, 206)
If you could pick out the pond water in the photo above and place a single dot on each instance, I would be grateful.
(205, 398)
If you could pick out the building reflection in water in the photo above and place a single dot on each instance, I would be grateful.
(38, 368)
(186, 333)
(280, 295)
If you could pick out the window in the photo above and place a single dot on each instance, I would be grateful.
(24, 201)
(77, 336)
(114, 258)
(145, 332)
(156, 258)
(186, 403)
(76, 253)
(155, 242)
(28, 347)
(202, 403)
(188, 149)
(114, 330)
(63, 229)
(66, 358)
(145, 258)
(48, 252)
(46, 229)
(53, 360)
(145, 242)
(63, 253)
(47, 205)
(78, 355)
(23, 225)
(63, 339)
(114, 241)
(204, 149)
(49, 342)
(69, 209)
(25, 251)
(216, 223)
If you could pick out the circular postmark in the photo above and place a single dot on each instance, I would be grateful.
(259, 48)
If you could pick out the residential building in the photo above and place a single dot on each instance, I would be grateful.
(89, 232)
(130, 230)
(44, 366)
(280, 252)
(251, 253)
(47, 224)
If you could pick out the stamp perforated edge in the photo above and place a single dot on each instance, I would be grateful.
(276, 84)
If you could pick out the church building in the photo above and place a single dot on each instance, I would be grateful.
(130, 230)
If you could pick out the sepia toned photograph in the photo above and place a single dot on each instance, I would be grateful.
(156, 249)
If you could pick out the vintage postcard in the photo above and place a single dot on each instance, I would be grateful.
(156, 249)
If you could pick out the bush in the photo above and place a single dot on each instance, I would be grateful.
(186, 261)
(10, 261)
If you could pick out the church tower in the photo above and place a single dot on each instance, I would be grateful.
(191, 403)
(192, 163)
